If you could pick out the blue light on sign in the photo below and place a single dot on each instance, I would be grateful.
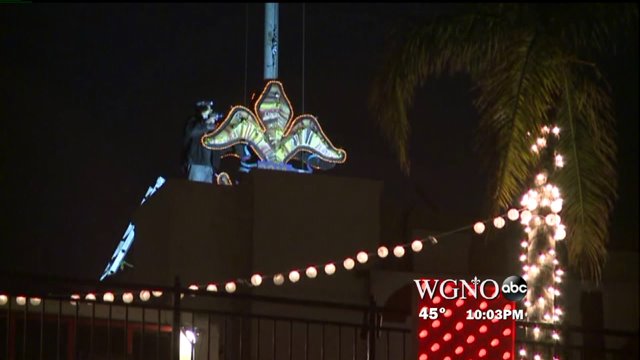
(117, 260)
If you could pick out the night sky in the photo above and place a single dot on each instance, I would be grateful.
(95, 97)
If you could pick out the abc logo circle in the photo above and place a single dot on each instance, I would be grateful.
(514, 288)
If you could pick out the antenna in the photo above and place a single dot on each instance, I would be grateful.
(270, 41)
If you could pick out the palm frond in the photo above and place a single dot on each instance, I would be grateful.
(515, 98)
(443, 46)
(589, 179)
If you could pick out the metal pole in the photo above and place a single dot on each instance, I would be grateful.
(175, 333)
(270, 41)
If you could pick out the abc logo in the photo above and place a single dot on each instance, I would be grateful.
(514, 288)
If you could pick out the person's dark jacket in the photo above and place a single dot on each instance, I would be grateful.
(194, 152)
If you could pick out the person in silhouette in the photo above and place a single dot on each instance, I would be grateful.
(200, 163)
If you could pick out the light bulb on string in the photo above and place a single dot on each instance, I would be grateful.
(478, 228)
(74, 297)
(560, 234)
(212, 288)
(311, 272)
(127, 298)
(90, 297)
(416, 245)
(35, 301)
(278, 279)
(499, 222)
(193, 287)
(348, 263)
(525, 217)
(513, 214)
(108, 297)
(398, 251)
(555, 131)
(383, 252)
(230, 287)
(145, 295)
(21, 300)
(156, 293)
(4, 299)
(330, 269)
(256, 279)
(362, 257)
(294, 276)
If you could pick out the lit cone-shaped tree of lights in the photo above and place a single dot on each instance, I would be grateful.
(541, 269)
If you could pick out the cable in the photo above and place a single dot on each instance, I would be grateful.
(303, 50)
(246, 50)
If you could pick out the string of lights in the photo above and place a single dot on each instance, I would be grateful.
(329, 268)
(543, 228)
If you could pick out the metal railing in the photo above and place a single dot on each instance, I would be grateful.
(183, 324)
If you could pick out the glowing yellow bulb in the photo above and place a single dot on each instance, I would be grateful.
(127, 297)
(278, 279)
(523, 258)
(416, 245)
(398, 251)
(513, 214)
(523, 352)
(330, 269)
(311, 272)
(211, 288)
(348, 263)
(498, 222)
(362, 257)
(383, 252)
(555, 130)
(525, 217)
(294, 276)
(560, 234)
(230, 287)
(534, 148)
(541, 142)
(478, 228)
(524, 244)
(256, 280)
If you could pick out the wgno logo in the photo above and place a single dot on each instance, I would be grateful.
(514, 288)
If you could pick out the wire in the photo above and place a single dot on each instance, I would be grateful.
(246, 50)
(303, 50)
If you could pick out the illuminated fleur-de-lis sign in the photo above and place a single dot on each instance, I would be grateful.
(273, 134)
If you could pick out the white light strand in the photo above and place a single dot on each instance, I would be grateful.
(544, 228)
(311, 272)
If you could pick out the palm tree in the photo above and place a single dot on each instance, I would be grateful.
(531, 64)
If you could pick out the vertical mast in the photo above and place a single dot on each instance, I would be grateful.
(270, 41)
